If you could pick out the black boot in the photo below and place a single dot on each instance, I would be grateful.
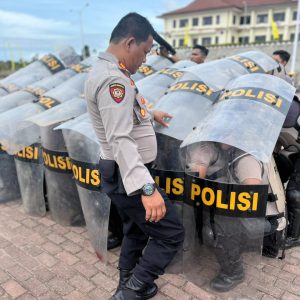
(227, 280)
(291, 242)
(124, 277)
(135, 290)
(113, 241)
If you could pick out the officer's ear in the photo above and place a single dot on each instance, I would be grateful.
(129, 43)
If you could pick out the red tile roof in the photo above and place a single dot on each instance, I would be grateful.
(198, 5)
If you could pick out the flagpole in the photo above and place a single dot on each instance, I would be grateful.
(296, 38)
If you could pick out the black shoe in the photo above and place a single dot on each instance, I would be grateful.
(124, 277)
(291, 242)
(113, 242)
(135, 290)
(271, 252)
(224, 283)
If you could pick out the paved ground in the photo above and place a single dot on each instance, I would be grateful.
(40, 259)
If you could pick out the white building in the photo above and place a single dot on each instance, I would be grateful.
(211, 22)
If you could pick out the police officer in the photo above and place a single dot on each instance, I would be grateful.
(152, 230)
(223, 163)
(199, 54)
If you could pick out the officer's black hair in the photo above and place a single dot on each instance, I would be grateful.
(203, 49)
(284, 55)
(133, 24)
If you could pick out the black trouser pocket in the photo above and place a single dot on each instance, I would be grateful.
(111, 181)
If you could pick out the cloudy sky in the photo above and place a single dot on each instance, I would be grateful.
(29, 27)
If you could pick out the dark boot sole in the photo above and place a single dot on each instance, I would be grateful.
(150, 296)
(223, 290)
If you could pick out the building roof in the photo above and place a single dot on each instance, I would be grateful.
(199, 5)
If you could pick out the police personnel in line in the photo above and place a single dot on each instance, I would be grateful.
(199, 54)
(223, 163)
(152, 231)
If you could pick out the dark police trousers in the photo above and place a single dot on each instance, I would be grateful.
(147, 247)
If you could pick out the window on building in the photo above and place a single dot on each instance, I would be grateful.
(206, 41)
(195, 21)
(174, 43)
(232, 40)
(260, 39)
(245, 20)
(262, 19)
(207, 21)
(174, 23)
(279, 17)
(181, 42)
(244, 40)
(233, 19)
(217, 40)
(217, 19)
(195, 42)
(295, 15)
(183, 22)
(293, 37)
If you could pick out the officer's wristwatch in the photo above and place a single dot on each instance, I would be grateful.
(148, 189)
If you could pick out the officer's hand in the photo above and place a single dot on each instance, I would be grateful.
(160, 116)
(155, 207)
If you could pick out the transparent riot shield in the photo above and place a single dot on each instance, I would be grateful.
(188, 100)
(255, 61)
(30, 172)
(168, 173)
(46, 66)
(37, 89)
(9, 187)
(62, 195)
(220, 72)
(246, 109)
(84, 151)
(16, 132)
(223, 214)
(34, 91)
(153, 64)
(154, 86)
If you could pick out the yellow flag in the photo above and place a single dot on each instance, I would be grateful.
(275, 31)
(186, 36)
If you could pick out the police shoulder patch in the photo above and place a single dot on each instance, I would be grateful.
(117, 92)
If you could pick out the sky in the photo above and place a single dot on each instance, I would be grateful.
(29, 27)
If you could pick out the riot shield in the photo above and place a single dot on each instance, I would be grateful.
(46, 66)
(247, 98)
(9, 187)
(84, 151)
(62, 195)
(34, 91)
(154, 86)
(223, 214)
(255, 61)
(153, 64)
(30, 173)
(16, 132)
(188, 99)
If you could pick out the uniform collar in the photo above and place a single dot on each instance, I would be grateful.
(111, 58)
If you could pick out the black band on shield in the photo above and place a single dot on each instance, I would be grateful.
(261, 95)
(86, 175)
(47, 102)
(52, 63)
(146, 70)
(57, 161)
(31, 154)
(249, 64)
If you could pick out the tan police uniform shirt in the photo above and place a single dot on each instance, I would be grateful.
(121, 121)
(208, 154)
